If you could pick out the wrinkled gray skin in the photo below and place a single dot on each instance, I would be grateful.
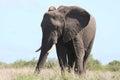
(72, 30)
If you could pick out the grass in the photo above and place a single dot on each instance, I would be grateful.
(24, 70)
(27, 73)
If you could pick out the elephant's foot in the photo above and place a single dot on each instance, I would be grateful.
(85, 70)
(79, 71)
(37, 70)
(70, 69)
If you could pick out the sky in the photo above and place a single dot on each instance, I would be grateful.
(21, 35)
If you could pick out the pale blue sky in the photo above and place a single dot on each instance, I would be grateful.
(20, 32)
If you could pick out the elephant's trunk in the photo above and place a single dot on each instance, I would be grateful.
(45, 49)
(49, 39)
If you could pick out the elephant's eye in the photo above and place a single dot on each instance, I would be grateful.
(54, 17)
(63, 11)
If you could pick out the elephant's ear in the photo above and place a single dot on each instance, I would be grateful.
(75, 20)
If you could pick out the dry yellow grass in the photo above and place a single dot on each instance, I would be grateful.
(54, 74)
(13, 73)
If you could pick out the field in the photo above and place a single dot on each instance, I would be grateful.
(54, 74)
(24, 70)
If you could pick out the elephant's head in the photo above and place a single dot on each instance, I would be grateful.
(52, 26)
(63, 22)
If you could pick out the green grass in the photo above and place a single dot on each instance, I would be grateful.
(27, 77)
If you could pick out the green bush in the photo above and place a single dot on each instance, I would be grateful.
(3, 65)
(19, 63)
(51, 63)
(23, 63)
(94, 64)
(113, 66)
(32, 63)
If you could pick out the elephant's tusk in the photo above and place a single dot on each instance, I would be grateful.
(38, 49)
(51, 48)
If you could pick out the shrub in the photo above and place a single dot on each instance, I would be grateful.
(19, 63)
(3, 65)
(23, 63)
(32, 63)
(51, 63)
(94, 64)
(113, 66)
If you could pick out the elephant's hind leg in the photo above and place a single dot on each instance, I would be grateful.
(87, 53)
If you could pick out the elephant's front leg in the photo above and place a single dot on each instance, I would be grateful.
(71, 58)
(61, 53)
(80, 52)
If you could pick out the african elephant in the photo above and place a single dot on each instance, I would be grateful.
(72, 29)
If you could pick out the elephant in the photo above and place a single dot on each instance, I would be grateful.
(72, 29)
